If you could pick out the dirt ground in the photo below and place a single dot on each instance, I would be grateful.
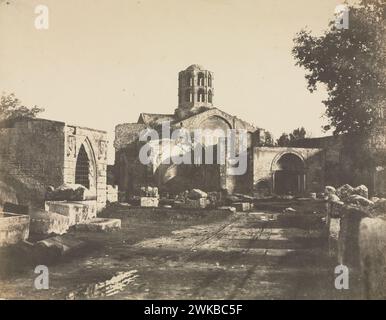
(256, 255)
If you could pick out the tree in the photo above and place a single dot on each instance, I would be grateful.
(351, 63)
(12, 108)
(297, 134)
(285, 139)
(268, 139)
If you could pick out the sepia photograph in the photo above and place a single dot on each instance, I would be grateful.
(207, 151)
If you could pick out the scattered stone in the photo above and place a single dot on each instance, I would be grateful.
(149, 202)
(359, 200)
(196, 194)
(344, 191)
(362, 190)
(375, 199)
(380, 207)
(149, 192)
(289, 210)
(43, 222)
(100, 224)
(227, 208)
(313, 195)
(244, 197)
(328, 190)
(60, 245)
(71, 192)
(201, 203)
(333, 198)
(242, 206)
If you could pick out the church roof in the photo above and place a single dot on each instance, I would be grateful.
(155, 118)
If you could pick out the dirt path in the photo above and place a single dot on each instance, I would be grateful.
(240, 256)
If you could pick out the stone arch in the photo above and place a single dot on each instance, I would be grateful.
(201, 95)
(288, 173)
(85, 168)
(201, 79)
(188, 95)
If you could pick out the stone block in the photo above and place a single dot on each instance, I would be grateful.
(60, 245)
(70, 192)
(197, 194)
(100, 224)
(43, 222)
(14, 228)
(201, 203)
(242, 206)
(149, 201)
(77, 212)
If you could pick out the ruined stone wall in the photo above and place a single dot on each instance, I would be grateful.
(38, 153)
(265, 157)
(31, 158)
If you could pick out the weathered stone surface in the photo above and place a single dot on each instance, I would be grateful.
(372, 248)
(43, 222)
(77, 212)
(379, 207)
(359, 200)
(361, 190)
(344, 191)
(60, 244)
(112, 193)
(13, 228)
(329, 190)
(148, 201)
(227, 208)
(242, 206)
(196, 194)
(100, 224)
(70, 192)
(196, 203)
(333, 198)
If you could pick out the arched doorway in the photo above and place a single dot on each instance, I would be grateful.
(289, 175)
(82, 170)
(85, 168)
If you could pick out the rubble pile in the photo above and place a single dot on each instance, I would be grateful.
(347, 196)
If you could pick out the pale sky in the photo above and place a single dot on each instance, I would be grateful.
(102, 62)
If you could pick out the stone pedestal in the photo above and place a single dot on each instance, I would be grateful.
(77, 212)
(149, 202)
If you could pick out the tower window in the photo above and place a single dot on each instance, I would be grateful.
(209, 80)
(201, 95)
(189, 80)
(201, 79)
(188, 96)
(210, 96)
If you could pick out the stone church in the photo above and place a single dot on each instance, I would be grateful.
(270, 170)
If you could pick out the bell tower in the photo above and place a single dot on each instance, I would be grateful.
(195, 90)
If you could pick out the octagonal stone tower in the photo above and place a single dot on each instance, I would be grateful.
(195, 90)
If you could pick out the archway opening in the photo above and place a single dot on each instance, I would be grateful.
(82, 171)
(289, 175)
